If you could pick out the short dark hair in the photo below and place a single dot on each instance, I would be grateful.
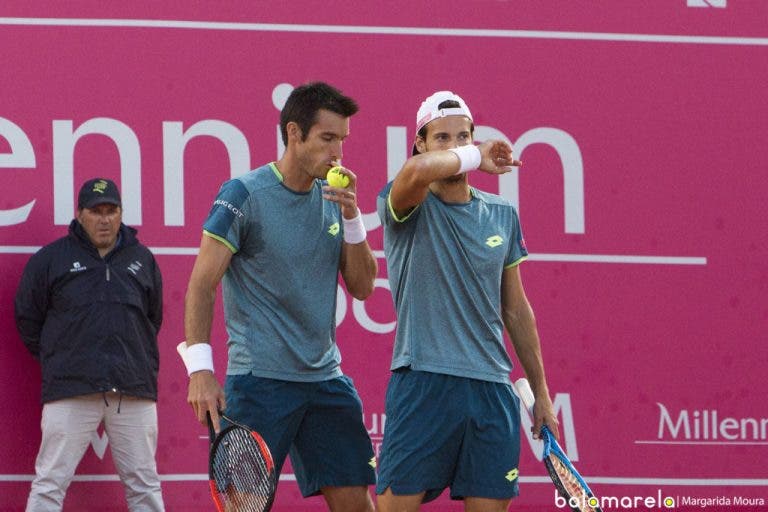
(445, 104)
(305, 101)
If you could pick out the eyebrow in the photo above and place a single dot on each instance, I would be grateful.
(438, 134)
(333, 134)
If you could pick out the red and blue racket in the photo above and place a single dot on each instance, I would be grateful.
(567, 480)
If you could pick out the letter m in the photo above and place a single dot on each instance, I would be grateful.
(666, 420)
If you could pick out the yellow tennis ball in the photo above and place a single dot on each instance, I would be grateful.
(336, 178)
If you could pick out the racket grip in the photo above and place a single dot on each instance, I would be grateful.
(211, 431)
(525, 393)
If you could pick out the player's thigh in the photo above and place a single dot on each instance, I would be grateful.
(490, 454)
(426, 420)
(332, 447)
(485, 505)
(348, 499)
(274, 408)
(389, 502)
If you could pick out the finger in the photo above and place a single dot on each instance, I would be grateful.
(553, 428)
(340, 195)
(200, 413)
(215, 419)
(352, 176)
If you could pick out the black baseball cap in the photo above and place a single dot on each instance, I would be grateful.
(98, 191)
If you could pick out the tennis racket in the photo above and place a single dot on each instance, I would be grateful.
(240, 468)
(567, 480)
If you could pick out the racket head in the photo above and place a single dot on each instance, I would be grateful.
(241, 471)
(567, 480)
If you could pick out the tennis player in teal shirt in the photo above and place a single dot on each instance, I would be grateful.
(453, 254)
(278, 238)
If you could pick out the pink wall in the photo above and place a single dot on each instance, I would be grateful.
(649, 282)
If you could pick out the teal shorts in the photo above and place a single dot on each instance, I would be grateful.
(445, 431)
(319, 423)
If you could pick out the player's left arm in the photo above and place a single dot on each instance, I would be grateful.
(520, 323)
(358, 265)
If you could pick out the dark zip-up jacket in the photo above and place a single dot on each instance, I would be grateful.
(92, 321)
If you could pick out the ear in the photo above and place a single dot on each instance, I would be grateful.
(421, 145)
(294, 132)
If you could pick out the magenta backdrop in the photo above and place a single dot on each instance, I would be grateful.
(649, 282)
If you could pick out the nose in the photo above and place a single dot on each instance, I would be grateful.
(336, 150)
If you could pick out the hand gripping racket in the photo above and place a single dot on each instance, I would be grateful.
(567, 480)
(240, 468)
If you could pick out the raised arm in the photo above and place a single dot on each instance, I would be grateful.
(358, 265)
(412, 183)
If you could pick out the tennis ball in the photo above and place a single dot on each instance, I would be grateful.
(336, 178)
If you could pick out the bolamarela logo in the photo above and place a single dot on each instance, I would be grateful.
(616, 502)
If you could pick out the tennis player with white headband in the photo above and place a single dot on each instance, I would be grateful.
(453, 255)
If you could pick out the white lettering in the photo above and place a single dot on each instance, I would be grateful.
(707, 426)
(666, 420)
(573, 169)
(21, 156)
(175, 140)
(729, 424)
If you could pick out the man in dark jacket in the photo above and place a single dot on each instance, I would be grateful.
(89, 307)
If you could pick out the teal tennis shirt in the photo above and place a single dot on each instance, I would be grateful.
(280, 288)
(445, 263)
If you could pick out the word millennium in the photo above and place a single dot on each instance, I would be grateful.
(707, 425)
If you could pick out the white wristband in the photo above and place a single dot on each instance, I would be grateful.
(354, 229)
(196, 357)
(469, 156)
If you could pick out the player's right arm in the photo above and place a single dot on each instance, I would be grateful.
(411, 185)
(205, 394)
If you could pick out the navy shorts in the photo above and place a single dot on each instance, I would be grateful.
(445, 431)
(319, 423)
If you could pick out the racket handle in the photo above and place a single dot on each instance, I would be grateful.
(525, 393)
(211, 431)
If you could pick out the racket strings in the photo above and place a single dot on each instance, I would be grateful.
(571, 484)
(242, 477)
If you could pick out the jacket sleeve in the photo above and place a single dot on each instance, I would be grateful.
(155, 313)
(31, 303)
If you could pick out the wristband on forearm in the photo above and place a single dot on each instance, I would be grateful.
(354, 229)
(196, 357)
(469, 157)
